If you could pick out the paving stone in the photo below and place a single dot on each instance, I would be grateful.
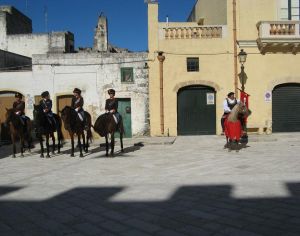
(88, 229)
(113, 226)
(142, 225)
(192, 187)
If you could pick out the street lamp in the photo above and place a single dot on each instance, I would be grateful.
(242, 76)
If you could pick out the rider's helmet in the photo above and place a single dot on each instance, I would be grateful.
(77, 90)
(18, 95)
(111, 91)
(45, 94)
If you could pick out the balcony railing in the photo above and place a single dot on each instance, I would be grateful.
(189, 30)
(278, 36)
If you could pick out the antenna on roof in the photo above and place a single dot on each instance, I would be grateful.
(46, 18)
(26, 6)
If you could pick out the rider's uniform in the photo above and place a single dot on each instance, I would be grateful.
(46, 105)
(19, 109)
(112, 104)
(77, 104)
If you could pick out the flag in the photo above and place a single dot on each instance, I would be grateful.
(244, 97)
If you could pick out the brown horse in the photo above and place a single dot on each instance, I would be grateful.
(74, 125)
(18, 129)
(235, 126)
(44, 127)
(105, 125)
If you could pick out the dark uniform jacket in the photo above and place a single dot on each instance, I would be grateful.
(19, 106)
(46, 104)
(111, 104)
(77, 102)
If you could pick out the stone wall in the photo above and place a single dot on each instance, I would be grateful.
(94, 74)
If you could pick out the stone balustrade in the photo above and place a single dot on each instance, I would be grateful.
(200, 32)
(281, 29)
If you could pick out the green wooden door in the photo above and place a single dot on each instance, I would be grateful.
(286, 108)
(124, 108)
(196, 111)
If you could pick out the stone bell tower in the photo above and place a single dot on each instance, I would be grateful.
(101, 35)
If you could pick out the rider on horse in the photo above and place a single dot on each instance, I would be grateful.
(228, 104)
(19, 108)
(77, 104)
(111, 105)
(46, 104)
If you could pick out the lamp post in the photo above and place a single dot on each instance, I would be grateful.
(242, 76)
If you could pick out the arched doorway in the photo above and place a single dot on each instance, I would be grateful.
(7, 99)
(286, 108)
(196, 110)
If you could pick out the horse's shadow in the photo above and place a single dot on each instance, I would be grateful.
(235, 146)
(119, 153)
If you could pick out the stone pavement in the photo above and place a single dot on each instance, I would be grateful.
(159, 186)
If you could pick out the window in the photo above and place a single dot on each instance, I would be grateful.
(192, 64)
(290, 10)
(127, 75)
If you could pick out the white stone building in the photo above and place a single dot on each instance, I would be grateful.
(94, 71)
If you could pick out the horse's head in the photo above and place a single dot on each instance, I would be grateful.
(37, 111)
(66, 113)
(239, 110)
(9, 116)
(243, 109)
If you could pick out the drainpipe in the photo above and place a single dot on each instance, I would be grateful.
(235, 48)
(161, 59)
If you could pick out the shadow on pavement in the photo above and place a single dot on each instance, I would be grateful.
(191, 210)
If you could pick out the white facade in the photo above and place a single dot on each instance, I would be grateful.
(93, 73)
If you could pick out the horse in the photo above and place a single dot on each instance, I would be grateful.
(234, 129)
(105, 125)
(18, 129)
(44, 127)
(74, 125)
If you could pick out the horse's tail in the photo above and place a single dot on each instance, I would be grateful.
(89, 136)
(59, 127)
(121, 127)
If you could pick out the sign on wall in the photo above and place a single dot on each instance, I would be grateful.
(268, 96)
(210, 99)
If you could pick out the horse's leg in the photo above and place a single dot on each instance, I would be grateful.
(83, 143)
(112, 144)
(42, 146)
(29, 141)
(22, 145)
(106, 144)
(121, 141)
(72, 143)
(47, 145)
(79, 143)
(53, 143)
(58, 141)
(229, 145)
(14, 144)
(226, 145)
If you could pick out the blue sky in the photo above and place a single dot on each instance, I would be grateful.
(127, 20)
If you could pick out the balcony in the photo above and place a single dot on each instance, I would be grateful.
(278, 37)
(187, 30)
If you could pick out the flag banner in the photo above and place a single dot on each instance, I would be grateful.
(244, 97)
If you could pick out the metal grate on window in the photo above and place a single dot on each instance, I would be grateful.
(192, 64)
